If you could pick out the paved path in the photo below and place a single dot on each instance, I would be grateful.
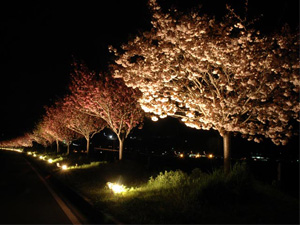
(24, 196)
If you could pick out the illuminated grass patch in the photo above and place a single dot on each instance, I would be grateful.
(86, 166)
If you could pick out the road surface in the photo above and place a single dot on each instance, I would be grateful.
(25, 196)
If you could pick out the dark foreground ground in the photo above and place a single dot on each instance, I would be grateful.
(168, 198)
(24, 197)
(30, 195)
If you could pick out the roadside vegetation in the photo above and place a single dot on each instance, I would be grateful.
(175, 196)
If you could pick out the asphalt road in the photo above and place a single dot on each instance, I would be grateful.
(25, 197)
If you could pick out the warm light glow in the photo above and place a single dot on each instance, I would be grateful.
(50, 160)
(154, 118)
(29, 153)
(64, 167)
(12, 149)
(210, 156)
(116, 188)
(181, 155)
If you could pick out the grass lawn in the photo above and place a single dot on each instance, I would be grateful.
(179, 197)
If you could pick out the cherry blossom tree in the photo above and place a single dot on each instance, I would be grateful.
(22, 141)
(55, 126)
(106, 98)
(80, 122)
(223, 75)
(40, 136)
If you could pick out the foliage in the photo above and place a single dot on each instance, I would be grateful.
(106, 98)
(80, 122)
(86, 166)
(178, 197)
(53, 123)
(224, 75)
(22, 141)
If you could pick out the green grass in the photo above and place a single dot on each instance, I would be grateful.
(178, 197)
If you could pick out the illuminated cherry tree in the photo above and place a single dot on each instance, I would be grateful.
(106, 98)
(80, 122)
(22, 141)
(54, 126)
(223, 75)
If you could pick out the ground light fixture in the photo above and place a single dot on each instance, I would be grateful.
(64, 167)
(116, 188)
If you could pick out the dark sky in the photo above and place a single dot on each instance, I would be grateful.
(38, 40)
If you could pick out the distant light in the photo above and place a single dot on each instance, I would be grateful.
(110, 136)
(50, 160)
(64, 167)
(29, 153)
(41, 157)
(181, 155)
(210, 156)
(116, 188)
(34, 155)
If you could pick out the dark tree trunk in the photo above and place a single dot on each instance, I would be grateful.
(68, 148)
(226, 147)
(57, 146)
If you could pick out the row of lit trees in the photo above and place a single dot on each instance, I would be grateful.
(94, 102)
(223, 75)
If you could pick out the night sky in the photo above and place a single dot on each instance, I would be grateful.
(39, 39)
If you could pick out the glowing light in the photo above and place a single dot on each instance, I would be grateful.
(50, 160)
(181, 155)
(29, 153)
(210, 156)
(64, 167)
(154, 118)
(12, 149)
(41, 157)
(34, 155)
(116, 188)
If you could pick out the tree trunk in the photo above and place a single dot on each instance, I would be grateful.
(88, 145)
(226, 148)
(68, 148)
(121, 147)
(57, 146)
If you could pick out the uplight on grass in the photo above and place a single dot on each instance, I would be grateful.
(64, 167)
(116, 188)
(86, 166)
